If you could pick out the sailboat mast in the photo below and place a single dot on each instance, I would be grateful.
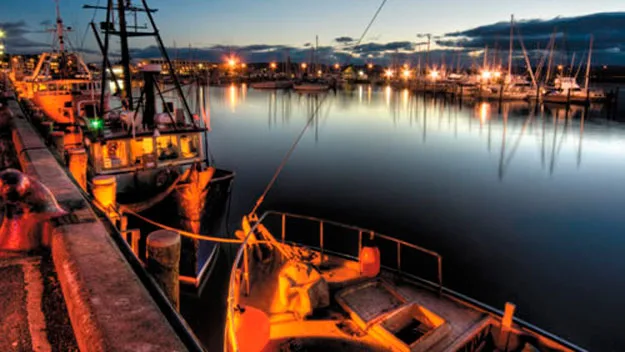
(123, 36)
(588, 64)
(511, 44)
(485, 57)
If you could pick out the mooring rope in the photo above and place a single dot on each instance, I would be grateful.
(287, 156)
(192, 235)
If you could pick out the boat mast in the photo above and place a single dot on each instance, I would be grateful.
(123, 37)
(510, 50)
(588, 65)
(59, 28)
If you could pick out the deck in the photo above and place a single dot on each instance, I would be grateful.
(335, 326)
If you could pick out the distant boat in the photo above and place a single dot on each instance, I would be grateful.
(272, 85)
(311, 87)
(567, 90)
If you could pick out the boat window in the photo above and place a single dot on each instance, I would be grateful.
(43, 87)
(189, 146)
(83, 86)
(167, 147)
(114, 155)
(52, 87)
(141, 147)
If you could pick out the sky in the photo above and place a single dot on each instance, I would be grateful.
(279, 24)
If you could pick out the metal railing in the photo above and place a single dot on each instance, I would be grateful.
(240, 268)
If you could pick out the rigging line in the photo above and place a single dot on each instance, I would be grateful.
(366, 30)
(84, 36)
(288, 155)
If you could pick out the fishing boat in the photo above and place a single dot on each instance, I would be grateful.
(141, 151)
(294, 286)
(61, 85)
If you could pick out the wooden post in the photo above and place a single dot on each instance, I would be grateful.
(163, 259)
(78, 166)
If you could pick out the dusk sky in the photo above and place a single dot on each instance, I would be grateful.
(292, 23)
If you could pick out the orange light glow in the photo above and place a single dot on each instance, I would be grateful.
(232, 62)
(337, 66)
(388, 73)
(406, 73)
(370, 66)
(497, 74)
(486, 74)
(434, 75)
(273, 65)
(243, 65)
(304, 65)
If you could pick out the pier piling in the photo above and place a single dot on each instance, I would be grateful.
(163, 257)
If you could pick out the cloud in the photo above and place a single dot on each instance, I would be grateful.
(572, 35)
(344, 40)
(15, 38)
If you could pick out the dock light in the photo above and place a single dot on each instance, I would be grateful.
(232, 62)
(273, 65)
(304, 65)
(319, 73)
(360, 73)
(2, 33)
(434, 75)
(388, 73)
(560, 67)
(486, 74)
(243, 65)
(406, 73)
(497, 74)
(370, 66)
(337, 66)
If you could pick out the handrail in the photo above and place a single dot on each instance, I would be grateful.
(230, 342)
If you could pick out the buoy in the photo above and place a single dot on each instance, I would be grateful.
(104, 189)
(369, 261)
(252, 329)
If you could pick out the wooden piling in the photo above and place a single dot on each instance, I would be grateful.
(163, 262)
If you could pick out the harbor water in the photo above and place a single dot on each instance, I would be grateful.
(525, 205)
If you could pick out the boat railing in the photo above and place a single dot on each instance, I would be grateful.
(317, 238)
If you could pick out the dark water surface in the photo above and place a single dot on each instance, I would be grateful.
(524, 206)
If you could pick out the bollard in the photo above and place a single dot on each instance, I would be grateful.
(58, 138)
(78, 166)
(104, 189)
(163, 257)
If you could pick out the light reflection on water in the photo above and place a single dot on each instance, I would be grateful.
(524, 205)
